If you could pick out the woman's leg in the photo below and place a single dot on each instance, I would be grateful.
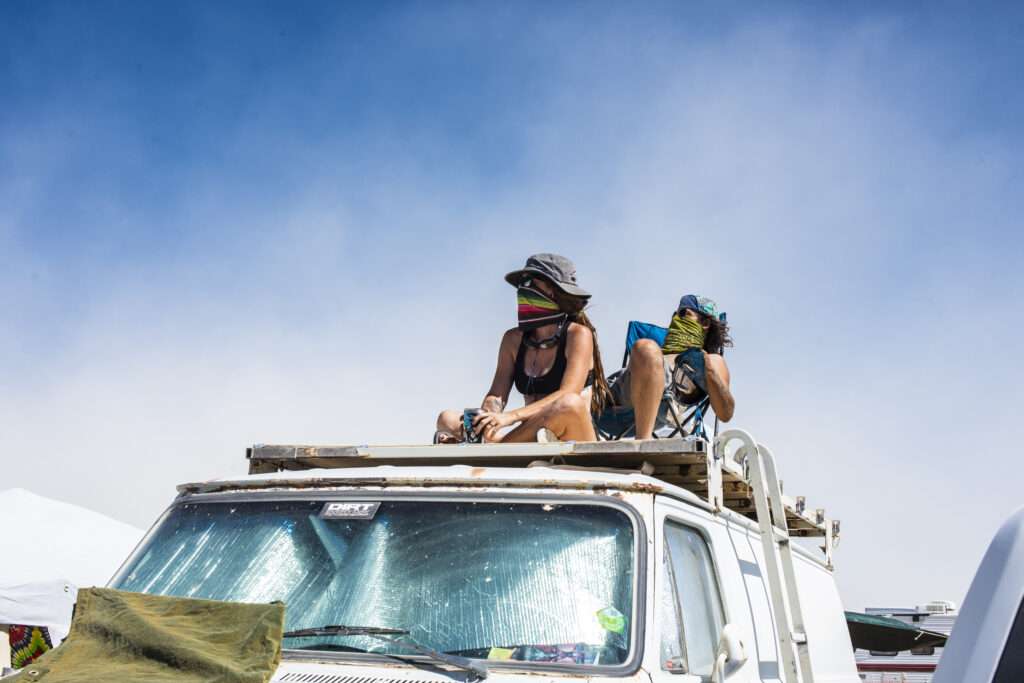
(568, 418)
(572, 420)
(449, 427)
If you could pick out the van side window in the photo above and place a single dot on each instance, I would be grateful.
(689, 603)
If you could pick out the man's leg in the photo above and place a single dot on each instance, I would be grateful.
(646, 385)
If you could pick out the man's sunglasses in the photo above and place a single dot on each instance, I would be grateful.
(703, 317)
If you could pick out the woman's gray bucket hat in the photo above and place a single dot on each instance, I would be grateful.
(560, 270)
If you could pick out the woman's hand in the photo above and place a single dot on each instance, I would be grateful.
(488, 423)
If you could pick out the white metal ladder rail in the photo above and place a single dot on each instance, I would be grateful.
(778, 553)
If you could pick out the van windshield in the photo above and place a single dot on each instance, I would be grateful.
(531, 582)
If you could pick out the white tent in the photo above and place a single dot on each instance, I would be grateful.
(44, 603)
(48, 540)
(59, 548)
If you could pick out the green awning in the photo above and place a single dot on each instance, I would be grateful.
(885, 634)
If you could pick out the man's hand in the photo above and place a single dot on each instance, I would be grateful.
(489, 422)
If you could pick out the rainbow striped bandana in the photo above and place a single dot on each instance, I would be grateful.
(536, 309)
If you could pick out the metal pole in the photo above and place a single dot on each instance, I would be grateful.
(5, 647)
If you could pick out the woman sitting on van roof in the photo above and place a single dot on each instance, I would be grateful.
(551, 357)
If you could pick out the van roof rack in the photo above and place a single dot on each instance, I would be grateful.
(692, 464)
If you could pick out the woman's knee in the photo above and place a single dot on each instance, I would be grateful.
(570, 405)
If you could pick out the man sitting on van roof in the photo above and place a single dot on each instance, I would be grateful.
(696, 337)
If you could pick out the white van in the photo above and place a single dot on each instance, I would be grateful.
(629, 560)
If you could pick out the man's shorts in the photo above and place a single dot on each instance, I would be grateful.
(619, 383)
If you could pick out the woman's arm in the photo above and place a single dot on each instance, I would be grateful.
(501, 385)
(716, 374)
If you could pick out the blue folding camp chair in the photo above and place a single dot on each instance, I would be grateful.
(618, 422)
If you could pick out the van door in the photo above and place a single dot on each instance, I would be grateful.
(691, 549)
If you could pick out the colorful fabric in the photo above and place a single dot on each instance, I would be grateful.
(683, 333)
(28, 643)
(568, 653)
(536, 309)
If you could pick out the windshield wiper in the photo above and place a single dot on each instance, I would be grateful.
(478, 669)
(330, 647)
(343, 630)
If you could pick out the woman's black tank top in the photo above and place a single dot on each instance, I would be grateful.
(548, 383)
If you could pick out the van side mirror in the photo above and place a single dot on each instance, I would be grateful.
(730, 651)
(729, 643)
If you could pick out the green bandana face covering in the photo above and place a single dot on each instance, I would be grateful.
(683, 333)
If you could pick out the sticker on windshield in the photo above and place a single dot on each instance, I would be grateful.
(611, 619)
(349, 510)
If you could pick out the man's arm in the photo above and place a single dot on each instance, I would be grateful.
(716, 374)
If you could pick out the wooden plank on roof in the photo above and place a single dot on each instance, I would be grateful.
(629, 455)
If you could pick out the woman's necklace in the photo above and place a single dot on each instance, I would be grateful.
(545, 343)
(538, 345)
(532, 375)
(534, 364)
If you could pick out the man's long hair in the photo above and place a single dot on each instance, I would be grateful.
(717, 337)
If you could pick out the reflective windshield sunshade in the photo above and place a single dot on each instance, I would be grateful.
(542, 582)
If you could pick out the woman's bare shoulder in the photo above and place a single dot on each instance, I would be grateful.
(576, 330)
(579, 337)
(512, 337)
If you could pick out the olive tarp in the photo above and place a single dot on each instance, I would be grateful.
(138, 638)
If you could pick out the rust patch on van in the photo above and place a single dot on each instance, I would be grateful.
(477, 471)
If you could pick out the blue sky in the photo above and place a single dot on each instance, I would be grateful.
(228, 223)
